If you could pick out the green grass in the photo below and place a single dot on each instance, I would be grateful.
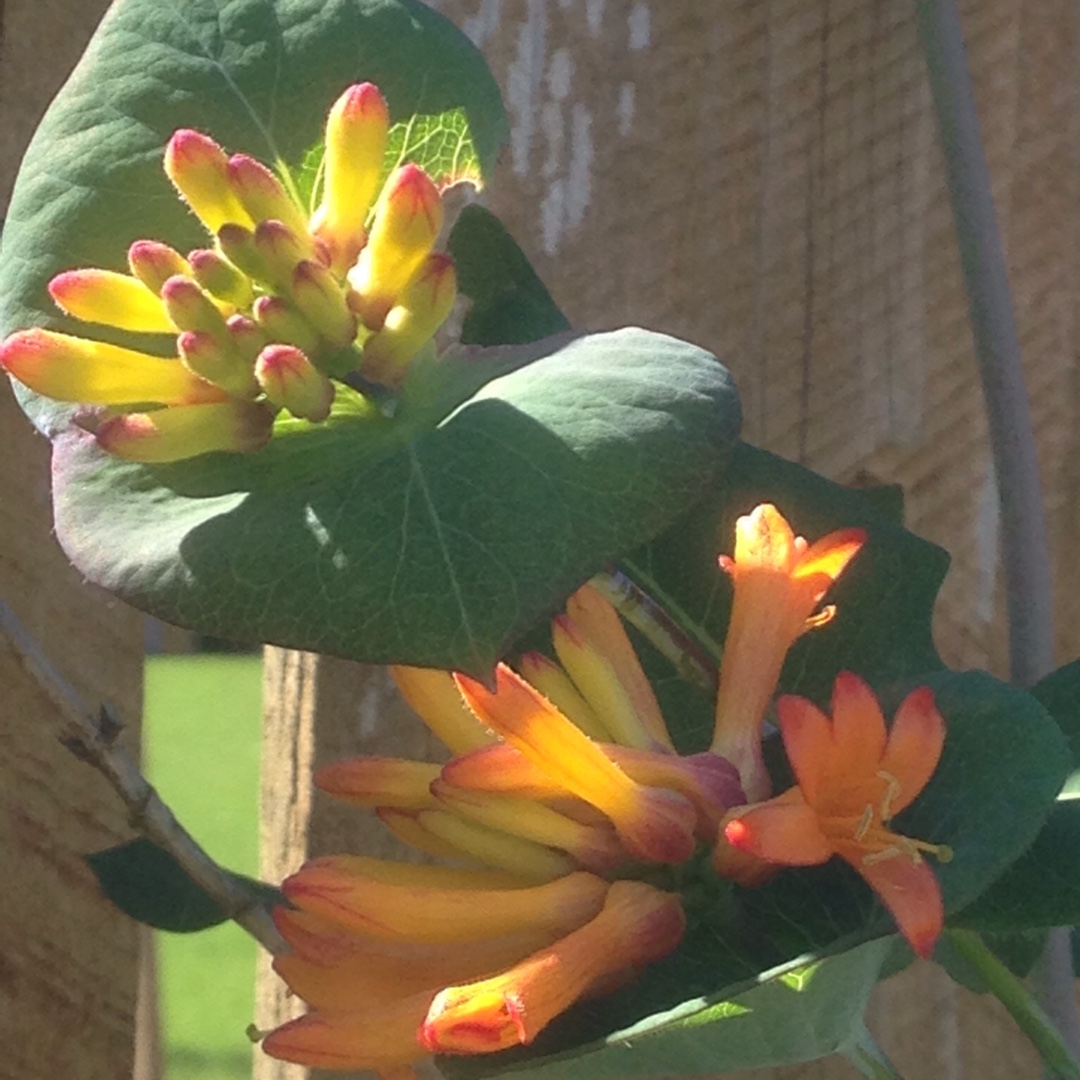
(201, 747)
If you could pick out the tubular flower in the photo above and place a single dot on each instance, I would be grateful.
(398, 960)
(853, 777)
(779, 581)
(268, 319)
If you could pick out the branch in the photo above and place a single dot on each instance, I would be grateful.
(660, 626)
(93, 736)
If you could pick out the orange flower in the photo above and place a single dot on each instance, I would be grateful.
(399, 959)
(262, 321)
(853, 777)
(779, 582)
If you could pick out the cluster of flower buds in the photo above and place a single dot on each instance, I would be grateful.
(563, 779)
(269, 315)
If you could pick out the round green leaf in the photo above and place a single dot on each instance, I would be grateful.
(395, 541)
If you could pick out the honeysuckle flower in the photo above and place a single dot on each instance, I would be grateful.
(779, 582)
(270, 316)
(552, 813)
(853, 776)
(638, 925)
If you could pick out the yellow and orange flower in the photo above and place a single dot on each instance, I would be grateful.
(267, 320)
(853, 778)
(779, 582)
(399, 960)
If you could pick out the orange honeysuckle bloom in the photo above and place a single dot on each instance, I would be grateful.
(655, 824)
(638, 925)
(779, 581)
(556, 814)
(853, 777)
(264, 320)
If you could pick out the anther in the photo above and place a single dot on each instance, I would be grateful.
(865, 821)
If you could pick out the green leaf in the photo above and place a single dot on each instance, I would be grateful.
(510, 305)
(1059, 693)
(147, 883)
(1042, 889)
(260, 76)
(410, 540)
(805, 1013)
(987, 800)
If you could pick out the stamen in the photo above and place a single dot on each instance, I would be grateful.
(892, 793)
(890, 852)
(865, 822)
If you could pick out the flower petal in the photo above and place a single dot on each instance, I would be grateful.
(916, 740)
(496, 847)
(112, 299)
(638, 925)
(911, 893)
(858, 729)
(95, 373)
(655, 825)
(398, 912)
(827, 558)
(501, 767)
(781, 831)
(378, 781)
(379, 1036)
(435, 698)
(594, 648)
(808, 742)
(186, 431)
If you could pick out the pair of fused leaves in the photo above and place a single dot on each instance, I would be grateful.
(504, 479)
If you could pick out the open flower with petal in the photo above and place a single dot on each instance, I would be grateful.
(263, 320)
(853, 777)
(779, 581)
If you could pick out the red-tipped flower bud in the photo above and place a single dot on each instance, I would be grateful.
(281, 250)
(261, 193)
(190, 308)
(420, 310)
(198, 168)
(282, 322)
(408, 217)
(247, 336)
(154, 263)
(217, 361)
(321, 300)
(240, 427)
(291, 381)
(103, 296)
(238, 246)
(356, 132)
(220, 278)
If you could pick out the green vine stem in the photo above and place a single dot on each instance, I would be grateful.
(1028, 589)
(1022, 1006)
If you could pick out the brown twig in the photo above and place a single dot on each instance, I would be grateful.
(92, 735)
